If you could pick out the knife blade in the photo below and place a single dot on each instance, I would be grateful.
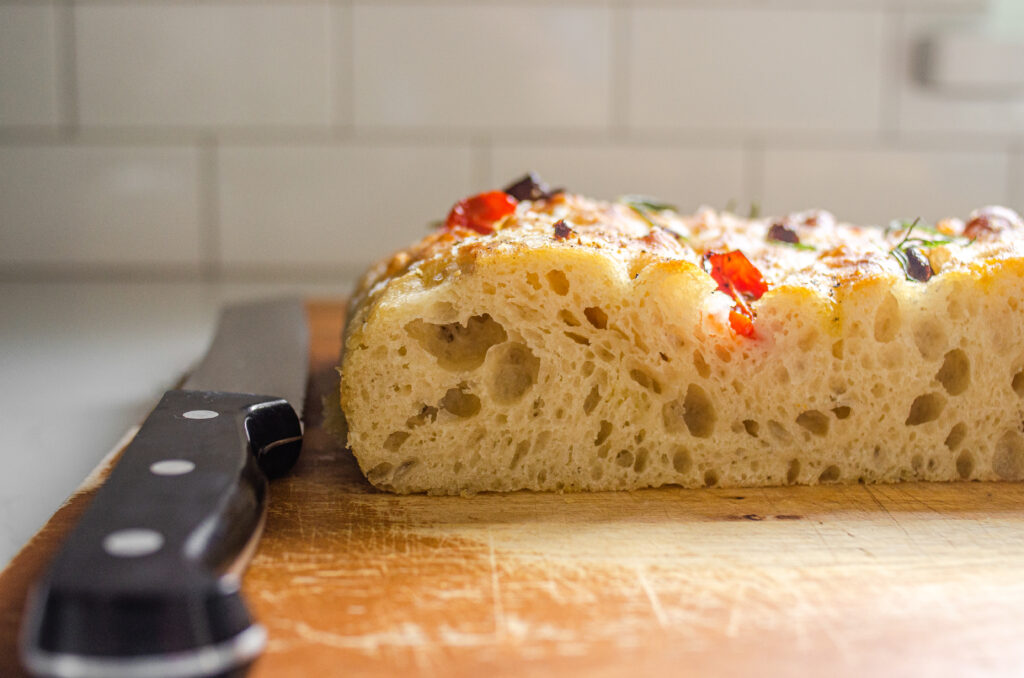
(148, 582)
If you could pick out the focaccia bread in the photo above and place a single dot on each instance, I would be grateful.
(561, 343)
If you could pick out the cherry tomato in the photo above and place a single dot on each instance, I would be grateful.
(741, 280)
(733, 271)
(480, 212)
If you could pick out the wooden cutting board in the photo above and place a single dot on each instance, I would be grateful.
(899, 580)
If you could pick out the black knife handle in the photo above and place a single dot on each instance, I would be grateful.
(143, 580)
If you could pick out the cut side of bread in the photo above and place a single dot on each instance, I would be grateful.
(583, 345)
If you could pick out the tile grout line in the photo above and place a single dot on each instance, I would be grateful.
(67, 69)
(210, 254)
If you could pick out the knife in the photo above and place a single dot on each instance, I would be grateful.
(147, 584)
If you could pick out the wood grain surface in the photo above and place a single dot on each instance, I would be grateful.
(899, 580)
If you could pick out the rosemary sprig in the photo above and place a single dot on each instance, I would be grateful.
(646, 202)
(643, 205)
(915, 265)
(795, 245)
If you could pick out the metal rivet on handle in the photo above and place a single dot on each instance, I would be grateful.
(133, 542)
(200, 414)
(172, 467)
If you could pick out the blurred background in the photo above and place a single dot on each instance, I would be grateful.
(300, 140)
(160, 157)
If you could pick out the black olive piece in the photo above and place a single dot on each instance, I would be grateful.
(783, 233)
(918, 266)
(562, 230)
(531, 187)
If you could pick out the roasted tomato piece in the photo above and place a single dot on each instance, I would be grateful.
(480, 212)
(741, 322)
(735, 274)
(741, 280)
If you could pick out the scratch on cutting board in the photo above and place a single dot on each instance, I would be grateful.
(878, 502)
(652, 597)
(499, 610)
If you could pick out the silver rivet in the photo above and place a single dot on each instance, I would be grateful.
(172, 467)
(200, 414)
(133, 542)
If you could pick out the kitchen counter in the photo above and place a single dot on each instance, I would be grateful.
(82, 363)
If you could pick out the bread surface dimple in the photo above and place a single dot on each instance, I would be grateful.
(518, 361)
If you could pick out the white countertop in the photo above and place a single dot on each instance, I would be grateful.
(80, 364)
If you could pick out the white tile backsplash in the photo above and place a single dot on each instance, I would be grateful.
(685, 177)
(312, 136)
(28, 65)
(99, 206)
(878, 185)
(926, 109)
(755, 69)
(333, 206)
(203, 64)
(483, 67)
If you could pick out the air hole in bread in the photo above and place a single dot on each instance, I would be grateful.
(887, 319)
(457, 346)
(965, 465)
(841, 412)
(603, 432)
(379, 473)
(645, 380)
(460, 403)
(624, 458)
(1008, 461)
(402, 350)
(793, 471)
(427, 413)
(596, 317)
(837, 350)
(592, 399)
(578, 338)
(723, 354)
(1018, 383)
(587, 368)
(925, 408)
(681, 460)
(916, 462)
(641, 460)
(955, 373)
(930, 338)
(829, 475)
(533, 280)
(694, 413)
(814, 421)
(710, 478)
(751, 427)
(568, 318)
(956, 436)
(403, 470)
(779, 432)
(395, 440)
(558, 282)
(703, 369)
(513, 372)
(782, 375)
(522, 448)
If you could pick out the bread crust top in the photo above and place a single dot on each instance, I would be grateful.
(807, 251)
